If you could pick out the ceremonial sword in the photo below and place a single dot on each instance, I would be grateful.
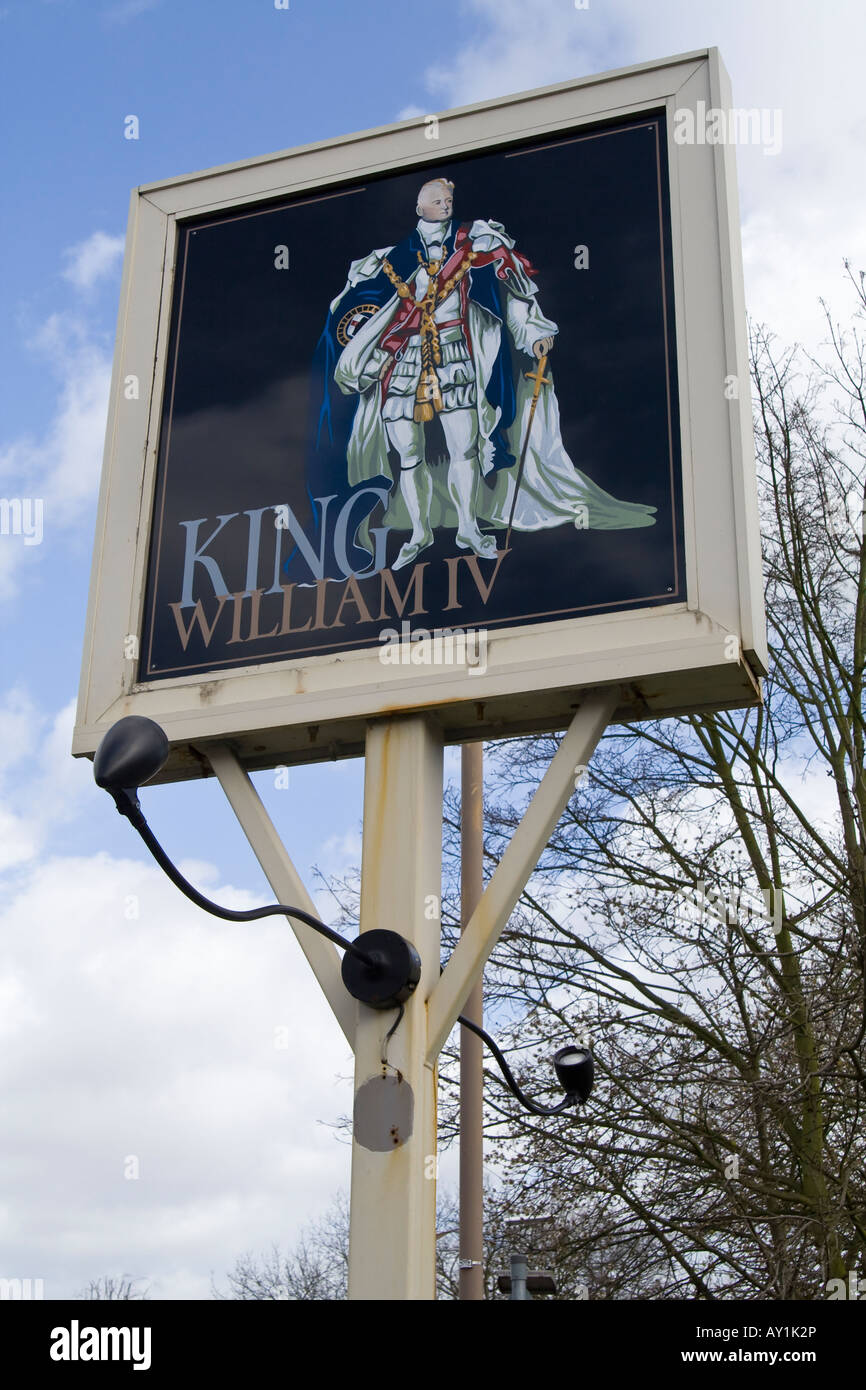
(540, 380)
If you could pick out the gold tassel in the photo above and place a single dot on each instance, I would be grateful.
(428, 396)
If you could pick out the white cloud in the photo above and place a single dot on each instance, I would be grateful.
(49, 784)
(18, 842)
(19, 728)
(19, 722)
(126, 10)
(340, 852)
(135, 1025)
(62, 466)
(153, 1036)
(93, 259)
(516, 49)
(802, 210)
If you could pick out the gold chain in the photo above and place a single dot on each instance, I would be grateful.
(428, 396)
(458, 275)
(400, 286)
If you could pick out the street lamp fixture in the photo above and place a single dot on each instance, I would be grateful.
(381, 969)
(575, 1071)
(574, 1067)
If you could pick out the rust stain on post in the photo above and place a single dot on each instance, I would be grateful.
(384, 1114)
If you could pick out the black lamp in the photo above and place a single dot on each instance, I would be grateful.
(381, 969)
(574, 1071)
(133, 751)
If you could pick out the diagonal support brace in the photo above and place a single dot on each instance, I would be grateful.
(516, 865)
(284, 880)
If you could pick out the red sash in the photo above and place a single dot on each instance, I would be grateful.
(407, 319)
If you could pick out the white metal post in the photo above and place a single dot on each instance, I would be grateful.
(471, 1047)
(392, 1243)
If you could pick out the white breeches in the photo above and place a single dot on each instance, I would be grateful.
(460, 428)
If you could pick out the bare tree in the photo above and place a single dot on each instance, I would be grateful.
(701, 912)
(547, 1239)
(700, 916)
(315, 1269)
(110, 1287)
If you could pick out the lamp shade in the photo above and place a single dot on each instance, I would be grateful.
(575, 1070)
(133, 751)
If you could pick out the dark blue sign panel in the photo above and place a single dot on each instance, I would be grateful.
(444, 398)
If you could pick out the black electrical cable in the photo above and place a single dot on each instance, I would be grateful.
(507, 1073)
(136, 816)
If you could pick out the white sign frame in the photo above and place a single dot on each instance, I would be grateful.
(706, 653)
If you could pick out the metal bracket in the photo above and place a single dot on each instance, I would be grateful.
(516, 865)
(283, 878)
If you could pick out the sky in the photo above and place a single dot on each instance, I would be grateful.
(153, 1125)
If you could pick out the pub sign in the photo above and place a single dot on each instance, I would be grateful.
(440, 419)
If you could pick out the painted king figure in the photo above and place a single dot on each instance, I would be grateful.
(446, 323)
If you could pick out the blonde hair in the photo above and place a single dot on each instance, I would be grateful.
(431, 183)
